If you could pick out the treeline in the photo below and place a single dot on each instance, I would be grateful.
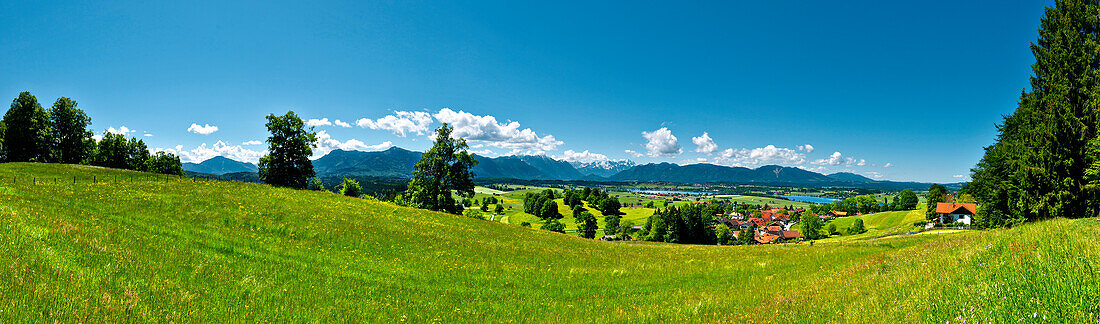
(690, 224)
(29, 133)
(1045, 161)
(864, 204)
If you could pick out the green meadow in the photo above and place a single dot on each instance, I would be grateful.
(139, 247)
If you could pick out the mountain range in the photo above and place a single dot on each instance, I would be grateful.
(396, 162)
(220, 165)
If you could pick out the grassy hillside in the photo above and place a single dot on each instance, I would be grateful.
(177, 250)
(880, 224)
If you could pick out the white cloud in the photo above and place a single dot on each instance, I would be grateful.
(485, 152)
(486, 130)
(97, 137)
(318, 122)
(121, 130)
(326, 144)
(760, 156)
(204, 152)
(834, 159)
(873, 175)
(958, 176)
(581, 157)
(887, 165)
(633, 153)
(661, 142)
(148, 135)
(252, 142)
(818, 169)
(341, 123)
(204, 130)
(806, 148)
(861, 162)
(400, 123)
(704, 144)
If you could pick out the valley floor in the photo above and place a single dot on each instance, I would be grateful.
(140, 247)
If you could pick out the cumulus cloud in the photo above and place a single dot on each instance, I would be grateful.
(252, 142)
(204, 130)
(873, 175)
(204, 152)
(806, 148)
(887, 165)
(97, 137)
(704, 144)
(661, 142)
(759, 156)
(486, 130)
(326, 144)
(581, 157)
(341, 123)
(400, 123)
(122, 130)
(633, 153)
(318, 122)
(148, 135)
(834, 159)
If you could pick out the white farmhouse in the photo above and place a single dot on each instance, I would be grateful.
(956, 213)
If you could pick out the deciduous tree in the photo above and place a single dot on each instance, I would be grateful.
(72, 142)
(289, 148)
(443, 169)
(28, 136)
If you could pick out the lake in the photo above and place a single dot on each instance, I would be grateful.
(809, 199)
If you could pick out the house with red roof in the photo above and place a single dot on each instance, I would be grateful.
(790, 235)
(956, 213)
(765, 238)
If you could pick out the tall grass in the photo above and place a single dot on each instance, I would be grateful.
(211, 251)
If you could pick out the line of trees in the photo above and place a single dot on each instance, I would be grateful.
(1045, 161)
(29, 133)
(689, 224)
(905, 200)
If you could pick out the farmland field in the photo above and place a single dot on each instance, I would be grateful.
(139, 247)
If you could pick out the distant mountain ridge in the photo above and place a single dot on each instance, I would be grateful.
(702, 172)
(220, 165)
(850, 177)
(397, 162)
(603, 168)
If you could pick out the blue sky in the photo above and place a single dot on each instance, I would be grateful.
(902, 90)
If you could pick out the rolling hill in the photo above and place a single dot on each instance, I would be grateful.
(136, 247)
(219, 165)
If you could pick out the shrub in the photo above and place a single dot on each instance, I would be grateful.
(315, 184)
(525, 224)
(473, 213)
(350, 188)
(554, 225)
(857, 227)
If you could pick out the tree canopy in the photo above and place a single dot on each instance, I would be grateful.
(28, 135)
(72, 142)
(1045, 159)
(444, 170)
(289, 148)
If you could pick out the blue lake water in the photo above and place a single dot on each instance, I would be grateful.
(809, 199)
(673, 192)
